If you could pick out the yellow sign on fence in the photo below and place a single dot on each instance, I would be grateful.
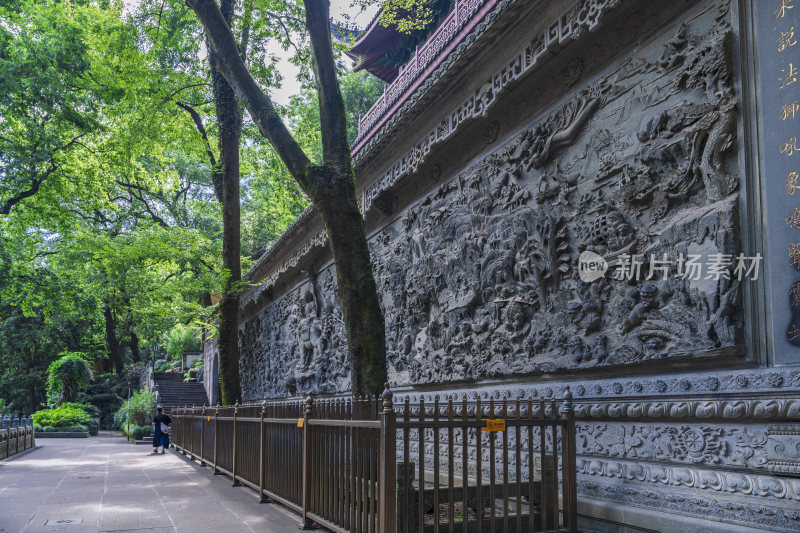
(494, 425)
(301, 422)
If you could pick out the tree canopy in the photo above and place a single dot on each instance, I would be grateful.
(110, 225)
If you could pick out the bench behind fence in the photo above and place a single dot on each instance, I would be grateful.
(366, 465)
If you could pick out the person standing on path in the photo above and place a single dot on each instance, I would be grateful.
(161, 428)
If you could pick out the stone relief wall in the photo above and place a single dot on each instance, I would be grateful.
(479, 278)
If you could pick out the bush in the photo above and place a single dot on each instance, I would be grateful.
(142, 408)
(64, 416)
(181, 339)
(193, 372)
(133, 373)
(66, 376)
(137, 432)
(106, 392)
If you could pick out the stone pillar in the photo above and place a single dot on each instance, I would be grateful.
(6, 424)
(15, 422)
(30, 421)
(24, 422)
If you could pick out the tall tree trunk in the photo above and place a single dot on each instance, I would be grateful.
(114, 351)
(229, 121)
(135, 347)
(32, 398)
(330, 186)
(355, 284)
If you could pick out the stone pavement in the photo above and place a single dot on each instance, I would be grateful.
(110, 485)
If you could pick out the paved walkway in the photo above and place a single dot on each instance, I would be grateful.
(110, 485)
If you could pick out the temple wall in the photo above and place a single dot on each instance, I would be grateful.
(595, 129)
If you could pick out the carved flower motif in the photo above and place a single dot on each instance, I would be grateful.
(616, 387)
(596, 389)
(710, 383)
(547, 392)
(741, 381)
(637, 386)
(580, 389)
(774, 380)
(685, 384)
(661, 385)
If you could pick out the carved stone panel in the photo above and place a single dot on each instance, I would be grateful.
(479, 278)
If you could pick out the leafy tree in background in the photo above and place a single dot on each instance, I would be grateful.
(65, 378)
(44, 100)
(182, 338)
(122, 239)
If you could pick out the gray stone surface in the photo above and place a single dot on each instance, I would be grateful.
(111, 485)
(478, 277)
(631, 134)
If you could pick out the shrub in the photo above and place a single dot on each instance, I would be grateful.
(133, 373)
(63, 416)
(181, 339)
(142, 407)
(137, 432)
(66, 376)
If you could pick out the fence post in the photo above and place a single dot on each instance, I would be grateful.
(183, 430)
(261, 450)
(306, 523)
(387, 492)
(202, 435)
(191, 430)
(569, 468)
(216, 437)
(235, 428)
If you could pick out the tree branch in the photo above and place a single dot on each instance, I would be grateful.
(258, 104)
(33, 189)
(216, 170)
(335, 150)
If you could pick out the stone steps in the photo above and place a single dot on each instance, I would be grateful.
(175, 393)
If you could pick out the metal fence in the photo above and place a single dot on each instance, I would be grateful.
(15, 440)
(366, 465)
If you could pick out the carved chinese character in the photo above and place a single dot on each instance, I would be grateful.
(788, 110)
(794, 292)
(792, 333)
(789, 147)
(791, 182)
(786, 40)
(784, 6)
(794, 255)
(794, 219)
(789, 76)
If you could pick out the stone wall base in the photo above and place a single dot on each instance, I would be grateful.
(606, 517)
